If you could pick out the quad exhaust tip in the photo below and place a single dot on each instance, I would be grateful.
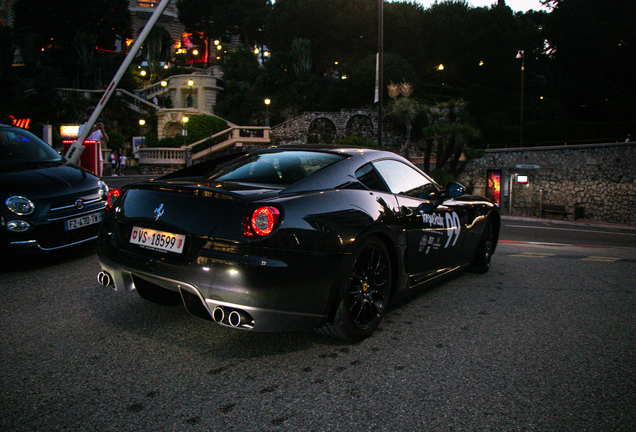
(232, 317)
(218, 314)
(105, 279)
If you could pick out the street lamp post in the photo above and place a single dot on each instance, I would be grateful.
(190, 101)
(185, 119)
(267, 102)
(522, 56)
(380, 67)
(164, 84)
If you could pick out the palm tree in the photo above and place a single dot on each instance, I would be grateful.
(403, 109)
(448, 137)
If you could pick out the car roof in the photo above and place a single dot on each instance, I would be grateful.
(329, 178)
(370, 153)
(10, 127)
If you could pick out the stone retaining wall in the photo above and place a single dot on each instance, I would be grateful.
(325, 127)
(328, 127)
(596, 182)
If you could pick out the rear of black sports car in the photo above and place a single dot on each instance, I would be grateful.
(216, 272)
(244, 254)
(289, 239)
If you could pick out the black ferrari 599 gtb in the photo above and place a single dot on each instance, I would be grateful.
(293, 238)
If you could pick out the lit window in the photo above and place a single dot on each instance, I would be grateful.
(148, 3)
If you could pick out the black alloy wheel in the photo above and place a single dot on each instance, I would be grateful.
(368, 287)
(485, 250)
(365, 293)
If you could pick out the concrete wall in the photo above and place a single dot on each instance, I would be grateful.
(598, 178)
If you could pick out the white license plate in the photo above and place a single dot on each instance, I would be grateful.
(160, 240)
(82, 221)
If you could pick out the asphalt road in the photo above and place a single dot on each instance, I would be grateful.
(545, 341)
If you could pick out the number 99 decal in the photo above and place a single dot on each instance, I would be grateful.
(453, 228)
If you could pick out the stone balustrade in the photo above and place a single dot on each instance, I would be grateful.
(161, 156)
(165, 160)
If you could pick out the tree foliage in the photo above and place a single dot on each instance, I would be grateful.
(342, 31)
(58, 21)
(403, 109)
(593, 47)
(217, 17)
(449, 137)
(579, 60)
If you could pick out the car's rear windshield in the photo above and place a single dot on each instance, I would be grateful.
(18, 146)
(278, 168)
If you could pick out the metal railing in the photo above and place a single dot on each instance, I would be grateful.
(201, 149)
(129, 98)
(231, 136)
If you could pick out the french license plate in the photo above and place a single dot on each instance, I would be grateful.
(82, 221)
(160, 240)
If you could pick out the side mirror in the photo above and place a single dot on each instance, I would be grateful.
(454, 190)
(427, 206)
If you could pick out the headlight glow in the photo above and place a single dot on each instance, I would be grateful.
(20, 205)
(18, 226)
(103, 189)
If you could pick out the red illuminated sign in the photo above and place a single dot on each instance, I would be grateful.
(493, 190)
(21, 123)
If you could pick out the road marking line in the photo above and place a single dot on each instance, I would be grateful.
(561, 244)
(600, 259)
(534, 255)
(572, 229)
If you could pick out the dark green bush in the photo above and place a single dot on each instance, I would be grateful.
(203, 126)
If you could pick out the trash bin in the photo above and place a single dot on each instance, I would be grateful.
(579, 211)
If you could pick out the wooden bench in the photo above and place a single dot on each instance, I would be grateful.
(555, 209)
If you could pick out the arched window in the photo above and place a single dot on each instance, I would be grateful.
(321, 131)
(359, 125)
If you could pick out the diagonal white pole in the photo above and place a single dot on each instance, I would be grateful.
(77, 148)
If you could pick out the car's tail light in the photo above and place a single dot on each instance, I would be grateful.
(261, 222)
(113, 194)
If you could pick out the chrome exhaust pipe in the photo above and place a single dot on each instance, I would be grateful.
(104, 279)
(218, 314)
(237, 318)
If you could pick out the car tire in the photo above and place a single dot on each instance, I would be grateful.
(364, 293)
(485, 250)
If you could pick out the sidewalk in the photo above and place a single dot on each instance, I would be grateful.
(581, 223)
(129, 172)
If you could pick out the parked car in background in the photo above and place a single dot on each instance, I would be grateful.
(293, 238)
(46, 203)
